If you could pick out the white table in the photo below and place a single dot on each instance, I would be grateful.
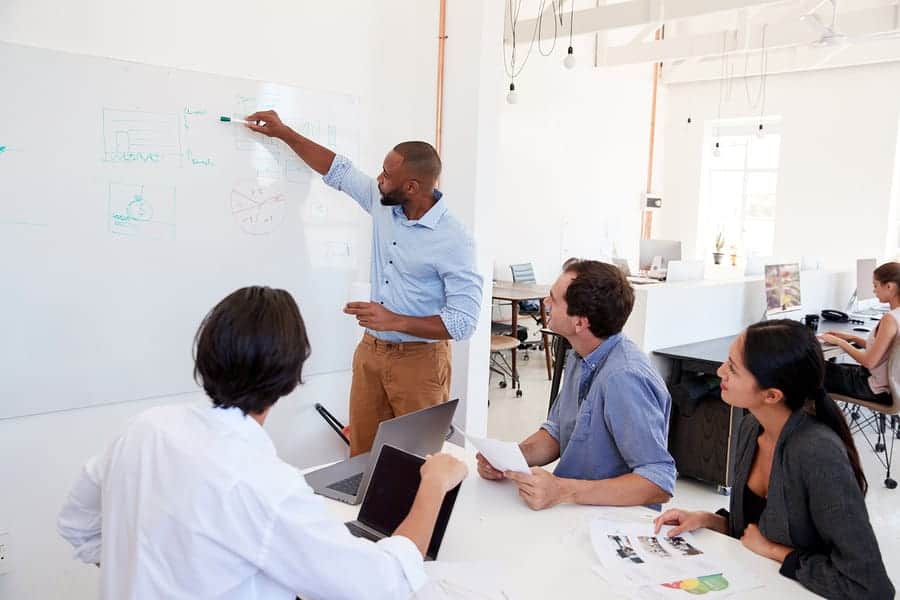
(548, 554)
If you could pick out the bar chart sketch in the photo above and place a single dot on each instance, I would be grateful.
(137, 136)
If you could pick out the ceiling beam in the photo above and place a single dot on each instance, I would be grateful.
(787, 60)
(633, 13)
(751, 38)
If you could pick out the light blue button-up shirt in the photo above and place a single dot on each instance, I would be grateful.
(419, 268)
(611, 416)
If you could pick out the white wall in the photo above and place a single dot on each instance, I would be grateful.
(470, 145)
(573, 162)
(839, 139)
(384, 51)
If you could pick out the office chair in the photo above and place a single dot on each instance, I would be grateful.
(524, 273)
(499, 364)
(878, 417)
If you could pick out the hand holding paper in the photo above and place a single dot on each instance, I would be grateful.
(503, 456)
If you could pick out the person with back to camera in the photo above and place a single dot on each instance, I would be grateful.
(191, 501)
(799, 491)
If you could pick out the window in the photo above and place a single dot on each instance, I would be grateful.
(738, 186)
(893, 241)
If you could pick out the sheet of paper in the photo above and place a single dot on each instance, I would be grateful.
(636, 553)
(503, 456)
(464, 581)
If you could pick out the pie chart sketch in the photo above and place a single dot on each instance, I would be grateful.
(259, 207)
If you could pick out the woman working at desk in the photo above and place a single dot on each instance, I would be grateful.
(798, 494)
(868, 380)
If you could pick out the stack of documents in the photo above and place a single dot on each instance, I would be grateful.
(646, 565)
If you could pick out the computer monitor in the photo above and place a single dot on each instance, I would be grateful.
(782, 288)
(864, 269)
(666, 250)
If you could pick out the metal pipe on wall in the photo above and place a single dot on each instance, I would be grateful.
(439, 101)
(647, 221)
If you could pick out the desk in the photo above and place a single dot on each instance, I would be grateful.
(548, 554)
(515, 293)
(708, 355)
(700, 439)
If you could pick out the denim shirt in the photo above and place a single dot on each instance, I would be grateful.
(420, 268)
(621, 424)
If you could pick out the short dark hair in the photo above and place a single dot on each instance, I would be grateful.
(250, 349)
(420, 160)
(569, 262)
(600, 293)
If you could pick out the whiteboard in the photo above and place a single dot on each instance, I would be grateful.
(127, 211)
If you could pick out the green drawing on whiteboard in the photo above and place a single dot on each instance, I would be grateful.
(2, 149)
(145, 211)
(200, 161)
(188, 111)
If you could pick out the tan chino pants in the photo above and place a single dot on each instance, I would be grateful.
(393, 379)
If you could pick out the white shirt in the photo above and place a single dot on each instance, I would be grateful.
(192, 502)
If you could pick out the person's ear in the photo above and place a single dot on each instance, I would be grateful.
(581, 323)
(772, 396)
(412, 187)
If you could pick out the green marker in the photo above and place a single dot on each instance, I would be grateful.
(241, 121)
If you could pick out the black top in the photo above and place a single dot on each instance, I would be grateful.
(815, 506)
(753, 506)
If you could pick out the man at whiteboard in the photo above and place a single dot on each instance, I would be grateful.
(425, 287)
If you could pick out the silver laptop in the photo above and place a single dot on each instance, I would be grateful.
(626, 270)
(421, 432)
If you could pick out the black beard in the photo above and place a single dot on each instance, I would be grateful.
(390, 200)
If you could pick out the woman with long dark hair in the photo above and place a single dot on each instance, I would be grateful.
(798, 493)
(868, 380)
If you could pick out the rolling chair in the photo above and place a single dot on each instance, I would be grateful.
(499, 364)
(524, 273)
(878, 417)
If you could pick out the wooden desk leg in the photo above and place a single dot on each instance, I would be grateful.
(544, 339)
(515, 334)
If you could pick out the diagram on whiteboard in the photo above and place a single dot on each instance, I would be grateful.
(138, 136)
(145, 211)
(244, 139)
(259, 206)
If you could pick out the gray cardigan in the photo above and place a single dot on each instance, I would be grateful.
(815, 506)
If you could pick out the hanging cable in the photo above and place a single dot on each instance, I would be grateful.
(716, 149)
(540, 27)
(762, 57)
(764, 80)
(569, 61)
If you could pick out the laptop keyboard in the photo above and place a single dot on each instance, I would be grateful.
(348, 486)
(360, 532)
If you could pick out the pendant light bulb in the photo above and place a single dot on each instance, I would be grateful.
(569, 61)
(512, 97)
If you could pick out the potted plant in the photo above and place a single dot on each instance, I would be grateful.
(733, 253)
(720, 243)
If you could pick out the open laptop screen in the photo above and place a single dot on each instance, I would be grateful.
(391, 492)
